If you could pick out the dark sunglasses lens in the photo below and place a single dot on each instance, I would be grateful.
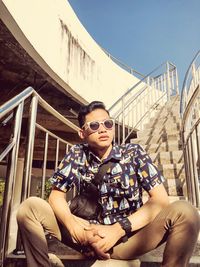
(94, 125)
(108, 124)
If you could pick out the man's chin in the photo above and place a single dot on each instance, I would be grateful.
(101, 146)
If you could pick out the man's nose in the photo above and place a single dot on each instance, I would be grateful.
(101, 127)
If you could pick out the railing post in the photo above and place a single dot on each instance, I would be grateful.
(57, 154)
(194, 74)
(168, 83)
(197, 134)
(148, 97)
(44, 165)
(10, 182)
(177, 86)
(123, 120)
(194, 171)
(29, 148)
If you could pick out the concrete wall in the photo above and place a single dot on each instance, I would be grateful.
(51, 33)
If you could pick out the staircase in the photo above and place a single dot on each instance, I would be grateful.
(161, 139)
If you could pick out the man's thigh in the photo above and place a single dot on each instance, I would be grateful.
(140, 242)
(179, 213)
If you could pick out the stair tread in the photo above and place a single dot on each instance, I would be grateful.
(167, 157)
(170, 165)
(152, 256)
(163, 133)
(153, 131)
(156, 254)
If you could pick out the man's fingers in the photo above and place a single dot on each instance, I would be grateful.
(103, 256)
(100, 253)
(93, 239)
(101, 234)
(89, 254)
(90, 228)
(95, 231)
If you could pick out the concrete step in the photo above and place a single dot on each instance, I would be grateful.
(154, 257)
(162, 128)
(156, 138)
(164, 146)
(72, 258)
(173, 103)
(174, 187)
(175, 178)
(168, 116)
(158, 132)
(172, 171)
(174, 116)
(167, 157)
(160, 125)
(171, 108)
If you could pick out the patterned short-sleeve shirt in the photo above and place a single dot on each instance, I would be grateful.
(123, 183)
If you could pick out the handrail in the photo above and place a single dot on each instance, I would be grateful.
(56, 114)
(7, 150)
(145, 115)
(51, 134)
(14, 108)
(138, 83)
(186, 78)
(14, 102)
(138, 101)
(190, 130)
(133, 98)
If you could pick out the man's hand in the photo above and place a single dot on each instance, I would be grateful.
(82, 232)
(77, 230)
(99, 237)
(104, 238)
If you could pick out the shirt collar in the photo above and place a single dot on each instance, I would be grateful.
(115, 153)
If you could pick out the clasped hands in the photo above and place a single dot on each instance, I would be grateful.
(101, 238)
(97, 238)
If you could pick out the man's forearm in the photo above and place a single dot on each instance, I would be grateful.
(75, 225)
(146, 214)
(61, 209)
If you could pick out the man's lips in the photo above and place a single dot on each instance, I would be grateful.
(103, 137)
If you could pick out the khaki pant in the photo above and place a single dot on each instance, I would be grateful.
(178, 224)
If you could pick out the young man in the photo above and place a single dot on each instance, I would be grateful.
(120, 194)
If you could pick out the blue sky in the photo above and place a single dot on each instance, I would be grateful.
(144, 33)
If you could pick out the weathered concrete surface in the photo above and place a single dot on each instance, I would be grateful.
(56, 40)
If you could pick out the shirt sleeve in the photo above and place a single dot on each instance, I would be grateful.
(148, 174)
(66, 174)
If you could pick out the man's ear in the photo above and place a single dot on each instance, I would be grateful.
(81, 134)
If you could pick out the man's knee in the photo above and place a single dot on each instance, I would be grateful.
(26, 208)
(185, 210)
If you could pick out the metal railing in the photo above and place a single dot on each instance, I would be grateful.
(131, 111)
(190, 112)
(138, 104)
(15, 109)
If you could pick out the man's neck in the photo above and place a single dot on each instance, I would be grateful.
(103, 153)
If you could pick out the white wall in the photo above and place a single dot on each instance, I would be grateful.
(53, 36)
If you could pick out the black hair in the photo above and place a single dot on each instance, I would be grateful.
(86, 109)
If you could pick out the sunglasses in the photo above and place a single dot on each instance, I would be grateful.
(95, 125)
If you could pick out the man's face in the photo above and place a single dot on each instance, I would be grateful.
(102, 137)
